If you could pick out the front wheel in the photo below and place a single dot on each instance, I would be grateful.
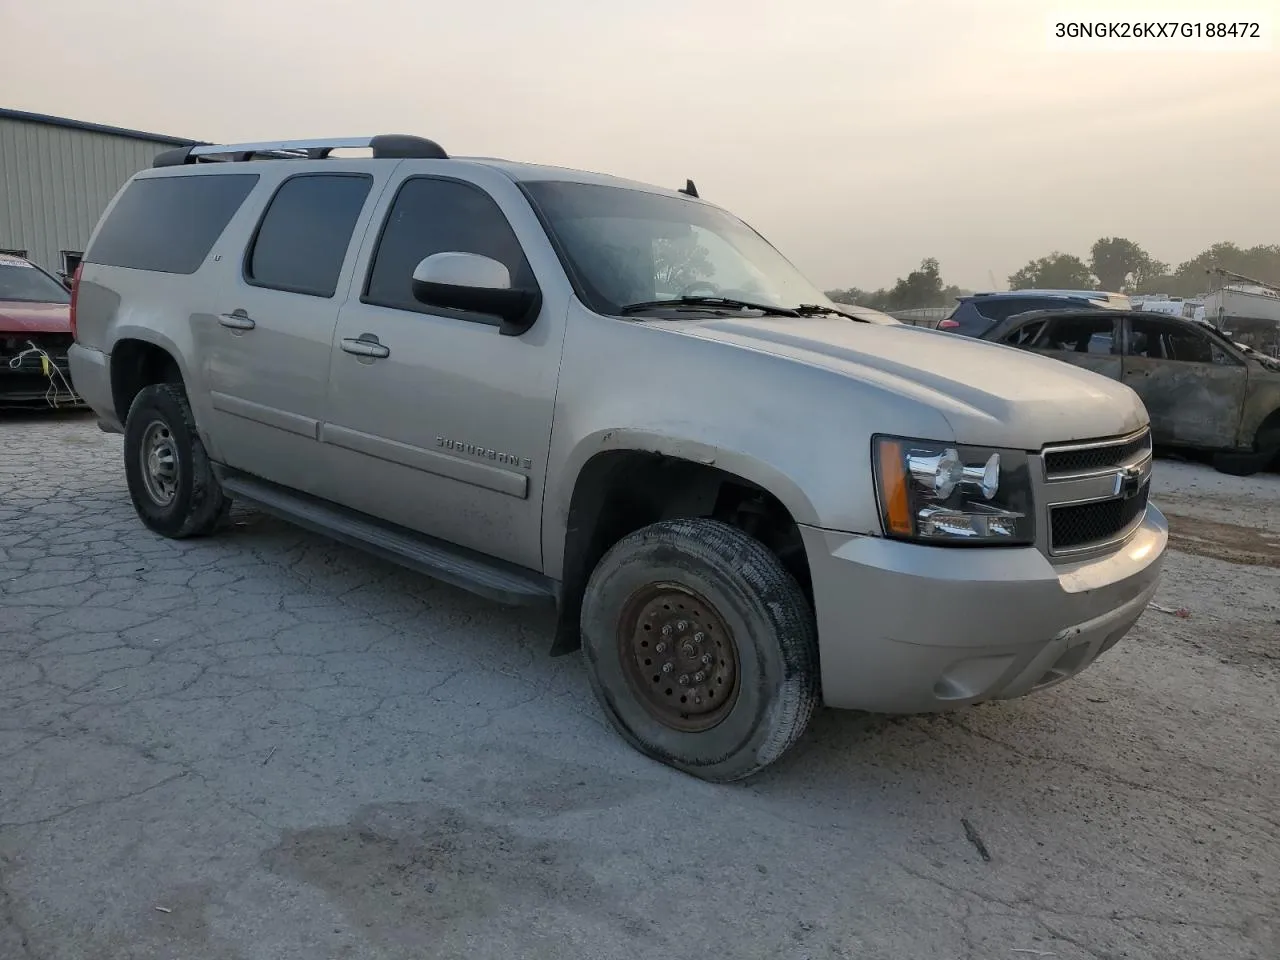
(701, 648)
(171, 481)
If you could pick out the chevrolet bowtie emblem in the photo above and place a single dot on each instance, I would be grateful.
(1129, 481)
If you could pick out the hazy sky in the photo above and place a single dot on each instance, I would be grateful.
(858, 135)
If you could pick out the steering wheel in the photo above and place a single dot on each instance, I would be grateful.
(688, 290)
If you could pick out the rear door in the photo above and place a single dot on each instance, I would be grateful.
(1089, 340)
(267, 349)
(1192, 388)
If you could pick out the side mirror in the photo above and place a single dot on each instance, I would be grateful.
(468, 281)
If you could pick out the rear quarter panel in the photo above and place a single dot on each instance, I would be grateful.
(120, 303)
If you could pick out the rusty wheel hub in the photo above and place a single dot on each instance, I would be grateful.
(679, 657)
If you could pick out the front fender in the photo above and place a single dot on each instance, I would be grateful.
(755, 470)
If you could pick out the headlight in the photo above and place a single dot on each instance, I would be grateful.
(953, 494)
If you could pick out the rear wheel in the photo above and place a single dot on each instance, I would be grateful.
(171, 481)
(701, 648)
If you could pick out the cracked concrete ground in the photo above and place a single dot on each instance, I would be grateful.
(265, 745)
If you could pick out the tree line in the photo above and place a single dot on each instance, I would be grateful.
(1115, 264)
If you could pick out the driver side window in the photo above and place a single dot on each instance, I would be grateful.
(1164, 340)
(438, 216)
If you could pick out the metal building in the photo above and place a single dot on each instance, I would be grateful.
(57, 176)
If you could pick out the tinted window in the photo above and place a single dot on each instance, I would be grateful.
(304, 235)
(169, 224)
(439, 216)
(1076, 335)
(970, 322)
(999, 309)
(1162, 340)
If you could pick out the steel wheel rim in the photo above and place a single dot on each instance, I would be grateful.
(158, 457)
(679, 657)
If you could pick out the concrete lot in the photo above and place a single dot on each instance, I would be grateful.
(264, 745)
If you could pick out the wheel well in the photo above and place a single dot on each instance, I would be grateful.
(620, 491)
(136, 364)
(1270, 425)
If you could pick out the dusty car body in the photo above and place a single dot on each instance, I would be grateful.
(35, 334)
(1202, 390)
(556, 386)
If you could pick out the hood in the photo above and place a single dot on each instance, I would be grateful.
(990, 394)
(19, 316)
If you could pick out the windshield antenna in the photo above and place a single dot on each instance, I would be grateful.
(690, 189)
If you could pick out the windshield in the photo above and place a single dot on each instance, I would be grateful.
(20, 280)
(625, 246)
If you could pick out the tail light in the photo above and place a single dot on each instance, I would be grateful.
(75, 295)
(948, 324)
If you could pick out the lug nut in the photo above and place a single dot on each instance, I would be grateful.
(684, 679)
(699, 637)
(699, 676)
(667, 668)
(706, 659)
(682, 626)
(661, 647)
(666, 630)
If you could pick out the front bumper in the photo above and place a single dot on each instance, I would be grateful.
(906, 628)
(29, 378)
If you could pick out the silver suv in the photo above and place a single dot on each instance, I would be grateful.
(552, 386)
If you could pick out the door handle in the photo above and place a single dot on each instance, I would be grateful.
(236, 320)
(365, 345)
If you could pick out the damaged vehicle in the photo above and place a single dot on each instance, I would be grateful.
(1203, 390)
(35, 334)
(551, 386)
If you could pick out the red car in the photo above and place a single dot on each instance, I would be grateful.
(35, 332)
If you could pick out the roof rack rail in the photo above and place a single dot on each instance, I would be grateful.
(397, 146)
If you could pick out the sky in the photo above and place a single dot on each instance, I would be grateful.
(859, 136)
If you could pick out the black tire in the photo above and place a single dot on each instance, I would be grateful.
(197, 502)
(1235, 464)
(772, 637)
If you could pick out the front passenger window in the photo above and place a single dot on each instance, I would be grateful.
(432, 216)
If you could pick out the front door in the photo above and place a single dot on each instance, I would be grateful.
(435, 421)
(1192, 388)
(267, 348)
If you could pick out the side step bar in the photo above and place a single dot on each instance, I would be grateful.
(493, 579)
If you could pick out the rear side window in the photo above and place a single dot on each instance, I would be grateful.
(439, 216)
(304, 234)
(1077, 334)
(169, 224)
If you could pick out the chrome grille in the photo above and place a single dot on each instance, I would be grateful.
(1094, 493)
(1098, 456)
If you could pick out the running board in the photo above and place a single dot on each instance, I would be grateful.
(493, 579)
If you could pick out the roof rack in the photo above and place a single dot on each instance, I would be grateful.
(397, 146)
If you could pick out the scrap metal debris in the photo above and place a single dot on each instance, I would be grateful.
(1182, 612)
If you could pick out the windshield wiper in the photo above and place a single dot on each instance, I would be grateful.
(727, 302)
(817, 309)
